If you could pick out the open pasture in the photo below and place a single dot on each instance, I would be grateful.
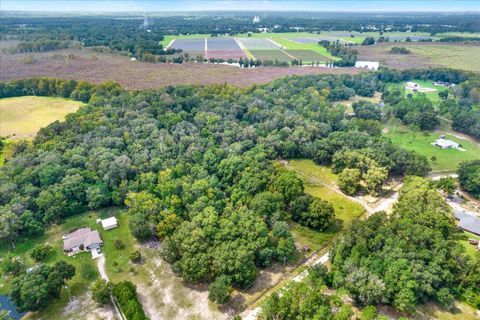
(307, 55)
(461, 56)
(439, 159)
(22, 117)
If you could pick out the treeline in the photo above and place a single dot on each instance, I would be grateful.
(76, 90)
(35, 288)
(409, 257)
(125, 294)
(347, 54)
(461, 106)
(194, 166)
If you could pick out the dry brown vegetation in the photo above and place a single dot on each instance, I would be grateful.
(84, 64)
(424, 54)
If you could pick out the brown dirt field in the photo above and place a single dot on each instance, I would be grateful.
(100, 67)
(423, 55)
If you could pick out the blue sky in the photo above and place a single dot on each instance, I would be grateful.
(272, 5)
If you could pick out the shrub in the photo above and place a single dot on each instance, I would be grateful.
(40, 252)
(136, 256)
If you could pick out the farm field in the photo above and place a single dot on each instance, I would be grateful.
(445, 159)
(423, 54)
(84, 64)
(270, 55)
(22, 117)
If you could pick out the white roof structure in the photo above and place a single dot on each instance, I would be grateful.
(371, 65)
(109, 223)
(445, 144)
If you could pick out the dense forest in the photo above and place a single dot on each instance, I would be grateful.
(140, 35)
(193, 165)
(404, 259)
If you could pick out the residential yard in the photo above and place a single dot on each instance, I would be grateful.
(444, 159)
(22, 117)
(348, 103)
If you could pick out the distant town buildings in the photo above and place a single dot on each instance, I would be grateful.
(256, 19)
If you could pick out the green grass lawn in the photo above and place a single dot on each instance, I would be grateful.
(7, 151)
(470, 249)
(309, 168)
(432, 96)
(446, 159)
(22, 117)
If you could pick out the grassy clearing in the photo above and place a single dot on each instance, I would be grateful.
(351, 101)
(346, 210)
(453, 56)
(470, 249)
(432, 96)
(22, 117)
(7, 151)
(433, 311)
(446, 159)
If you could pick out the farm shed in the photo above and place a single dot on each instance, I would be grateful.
(109, 223)
(446, 144)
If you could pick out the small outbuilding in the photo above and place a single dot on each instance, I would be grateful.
(109, 223)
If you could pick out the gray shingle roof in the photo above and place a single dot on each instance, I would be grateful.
(82, 236)
(467, 222)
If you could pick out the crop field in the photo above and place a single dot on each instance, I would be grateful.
(189, 44)
(271, 55)
(443, 159)
(424, 54)
(22, 117)
(225, 54)
(307, 55)
(258, 44)
(84, 64)
(222, 44)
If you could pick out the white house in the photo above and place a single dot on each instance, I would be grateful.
(109, 223)
(446, 144)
